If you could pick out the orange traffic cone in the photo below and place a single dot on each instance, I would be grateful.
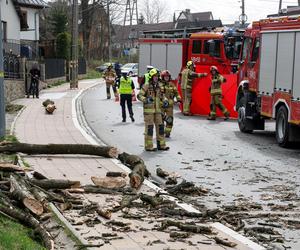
(133, 96)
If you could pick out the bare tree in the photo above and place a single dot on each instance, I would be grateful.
(154, 11)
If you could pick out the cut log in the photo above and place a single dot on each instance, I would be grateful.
(34, 149)
(131, 161)
(7, 167)
(109, 182)
(55, 184)
(180, 212)
(28, 220)
(161, 173)
(47, 102)
(39, 176)
(187, 188)
(137, 176)
(116, 174)
(186, 227)
(20, 191)
(126, 202)
(224, 242)
(105, 213)
(154, 201)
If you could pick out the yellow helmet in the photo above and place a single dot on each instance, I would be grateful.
(109, 65)
(189, 64)
(153, 72)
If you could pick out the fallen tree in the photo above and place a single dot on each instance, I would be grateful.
(34, 149)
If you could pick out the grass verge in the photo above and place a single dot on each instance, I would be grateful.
(15, 236)
(92, 74)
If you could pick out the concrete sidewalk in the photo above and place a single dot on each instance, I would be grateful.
(34, 126)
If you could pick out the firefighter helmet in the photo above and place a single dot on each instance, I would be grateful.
(109, 65)
(165, 73)
(190, 64)
(149, 67)
(214, 68)
(153, 72)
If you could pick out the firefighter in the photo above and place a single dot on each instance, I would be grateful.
(187, 76)
(216, 94)
(35, 75)
(126, 86)
(145, 78)
(153, 98)
(110, 77)
(170, 92)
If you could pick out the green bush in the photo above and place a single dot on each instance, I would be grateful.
(63, 45)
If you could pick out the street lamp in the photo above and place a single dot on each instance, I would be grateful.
(2, 104)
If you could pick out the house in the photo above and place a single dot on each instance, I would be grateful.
(20, 25)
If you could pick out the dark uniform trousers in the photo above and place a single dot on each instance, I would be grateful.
(126, 98)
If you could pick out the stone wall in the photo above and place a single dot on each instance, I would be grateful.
(13, 89)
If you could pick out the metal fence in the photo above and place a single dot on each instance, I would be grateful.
(54, 68)
(21, 48)
(12, 66)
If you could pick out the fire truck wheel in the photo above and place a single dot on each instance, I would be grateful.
(282, 127)
(242, 120)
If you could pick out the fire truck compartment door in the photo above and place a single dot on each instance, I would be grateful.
(144, 58)
(174, 59)
(159, 56)
(296, 83)
(268, 63)
(285, 61)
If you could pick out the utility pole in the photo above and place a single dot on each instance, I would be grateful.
(108, 31)
(2, 104)
(74, 50)
(243, 17)
(280, 6)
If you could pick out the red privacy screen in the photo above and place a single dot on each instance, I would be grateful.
(201, 96)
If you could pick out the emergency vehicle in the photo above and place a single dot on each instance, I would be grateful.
(269, 78)
(172, 49)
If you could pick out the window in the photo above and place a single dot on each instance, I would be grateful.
(4, 30)
(197, 44)
(246, 47)
(206, 47)
(255, 51)
(23, 20)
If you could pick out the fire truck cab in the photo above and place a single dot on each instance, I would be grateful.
(269, 78)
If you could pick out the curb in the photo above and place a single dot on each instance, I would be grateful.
(88, 133)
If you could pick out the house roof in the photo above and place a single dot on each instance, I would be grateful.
(38, 4)
(206, 23)
(124, 33)
(202, 16)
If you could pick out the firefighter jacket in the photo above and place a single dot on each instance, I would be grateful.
(126, 85)
(110, 76)
(216, 83)
(152, 96)
(170, 92)
(187, 76)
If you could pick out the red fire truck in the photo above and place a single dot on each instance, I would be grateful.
(269, 78)
(172, 50)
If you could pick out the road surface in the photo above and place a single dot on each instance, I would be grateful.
(239, 169)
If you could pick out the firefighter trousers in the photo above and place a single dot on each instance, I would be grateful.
(126, 98)
(216, 101)
(108, 85)
(168, 118)
(187, 100)
(151, 121)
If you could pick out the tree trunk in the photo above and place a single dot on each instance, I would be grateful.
(7, 167)
(20, 191)
(33, 149)
(55, 184)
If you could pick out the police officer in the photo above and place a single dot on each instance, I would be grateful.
(170, 92)
(145, 78)
(216, 94)
(126, 86)
(35, 75)
(187, 76)
(153, 99)
(110, 77)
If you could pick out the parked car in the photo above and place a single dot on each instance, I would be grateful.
(130, 68)
(104, 66)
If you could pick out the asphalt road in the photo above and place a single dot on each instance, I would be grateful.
(236, 167)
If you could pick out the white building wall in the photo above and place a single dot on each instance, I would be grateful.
(9, 15)
(33, 23)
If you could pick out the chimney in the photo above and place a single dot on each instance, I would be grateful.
(188, 11)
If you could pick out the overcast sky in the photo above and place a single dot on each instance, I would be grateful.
(229, 10)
